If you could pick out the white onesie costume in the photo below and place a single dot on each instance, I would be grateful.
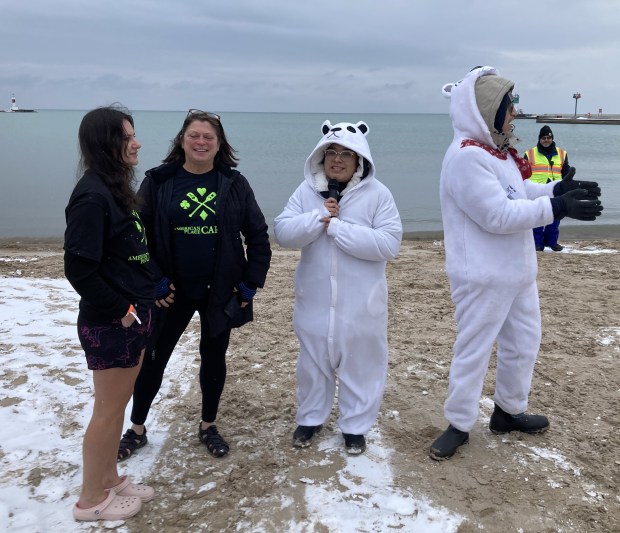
(340, 314)
(488, 213)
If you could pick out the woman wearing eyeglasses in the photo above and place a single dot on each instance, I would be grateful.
(348, 227)
(195, 208)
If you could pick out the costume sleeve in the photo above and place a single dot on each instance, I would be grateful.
(475, 188)
(378, 242)
(256, 236)
(536, 190)
(300, 223)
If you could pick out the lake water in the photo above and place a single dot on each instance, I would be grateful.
(39, 153)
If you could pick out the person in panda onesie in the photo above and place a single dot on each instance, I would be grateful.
(489, 207)
(347, 225)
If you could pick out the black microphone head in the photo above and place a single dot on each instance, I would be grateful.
(332, 187)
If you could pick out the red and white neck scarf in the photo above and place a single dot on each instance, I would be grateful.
(522, 164)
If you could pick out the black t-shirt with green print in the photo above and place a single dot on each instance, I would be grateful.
(194, 230)
(106, 256)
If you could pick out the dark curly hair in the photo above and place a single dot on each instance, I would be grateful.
(102, 145)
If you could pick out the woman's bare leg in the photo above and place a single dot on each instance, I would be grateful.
(113, 389)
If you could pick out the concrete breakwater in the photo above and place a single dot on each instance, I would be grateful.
(578, 119)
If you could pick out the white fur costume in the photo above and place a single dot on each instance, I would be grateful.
(340, 312)
(488, 213)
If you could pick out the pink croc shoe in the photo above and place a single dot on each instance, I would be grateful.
(114, 507)
(127, 488)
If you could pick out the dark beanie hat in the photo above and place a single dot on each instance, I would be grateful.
(544, 131)
(500, 116)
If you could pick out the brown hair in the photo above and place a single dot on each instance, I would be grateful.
(102, 144)
(226, 153)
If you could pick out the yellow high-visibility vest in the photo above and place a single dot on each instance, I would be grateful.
(542, 171)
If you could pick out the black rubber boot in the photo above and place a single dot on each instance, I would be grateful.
(354, 444)
(446, 445)
(303, 435)
(503, 422)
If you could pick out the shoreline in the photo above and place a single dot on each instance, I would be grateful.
(584, 232)
(593, 232)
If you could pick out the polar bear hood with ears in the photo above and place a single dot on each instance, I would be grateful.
(352, 137)
(474, 102)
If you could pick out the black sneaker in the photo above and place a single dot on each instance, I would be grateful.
(502, 422)
(540, 248)
(354, 444)
(557, 247)
(447, 443)
(303, 436)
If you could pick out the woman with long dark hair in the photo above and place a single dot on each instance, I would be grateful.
(209, 241)
(108, 263)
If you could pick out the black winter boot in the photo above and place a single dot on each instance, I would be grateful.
(446, 445)
(354, 444)
(502, 422)
(303, 436)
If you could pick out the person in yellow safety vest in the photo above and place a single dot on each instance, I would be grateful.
(549, 163)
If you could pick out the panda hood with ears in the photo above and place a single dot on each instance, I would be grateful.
(352, 137)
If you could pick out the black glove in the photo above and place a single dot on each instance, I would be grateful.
(568, 184)
(576, 204)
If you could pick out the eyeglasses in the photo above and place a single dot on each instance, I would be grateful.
(345, 154)
(546, 138)
(199, 112)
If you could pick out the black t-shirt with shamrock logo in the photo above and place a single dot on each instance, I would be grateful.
(194, 229)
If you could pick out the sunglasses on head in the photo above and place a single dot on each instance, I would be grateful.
(198, 113)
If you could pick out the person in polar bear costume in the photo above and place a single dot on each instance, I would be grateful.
(347, 225)
(489, 207)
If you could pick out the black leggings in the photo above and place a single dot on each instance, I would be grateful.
(212, 359)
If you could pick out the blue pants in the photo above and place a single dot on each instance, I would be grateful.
(547, 235)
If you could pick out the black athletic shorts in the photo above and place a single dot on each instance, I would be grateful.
(112, 345)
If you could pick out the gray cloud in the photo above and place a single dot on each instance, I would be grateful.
(277, 55)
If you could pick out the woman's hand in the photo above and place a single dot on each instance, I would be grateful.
(168, 300)
(127, 320)
(331, 204)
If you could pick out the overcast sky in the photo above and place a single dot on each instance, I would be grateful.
(305, 55)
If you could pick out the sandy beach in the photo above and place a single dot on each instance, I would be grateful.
(567, 479)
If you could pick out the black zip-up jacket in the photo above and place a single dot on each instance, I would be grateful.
(237, 214)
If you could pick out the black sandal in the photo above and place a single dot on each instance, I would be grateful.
(214, 442)
(130, 442)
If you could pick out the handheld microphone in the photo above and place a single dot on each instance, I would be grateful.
(332, 188)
